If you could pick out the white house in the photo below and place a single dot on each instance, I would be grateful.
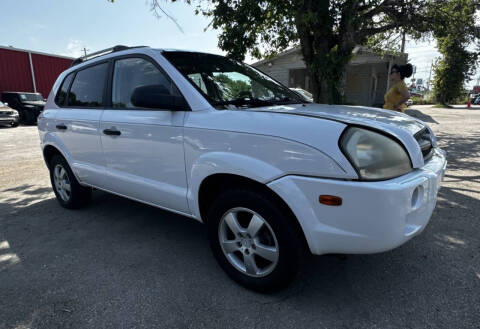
(367, 78)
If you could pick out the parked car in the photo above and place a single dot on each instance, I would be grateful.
(272, 176)
(409, 102)
(8, 116)
(477, 100)
(303, 93)
(28, 105)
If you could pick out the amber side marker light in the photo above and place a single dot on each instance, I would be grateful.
(330, 200)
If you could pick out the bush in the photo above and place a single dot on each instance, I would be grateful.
(462, 99)
(422, 100)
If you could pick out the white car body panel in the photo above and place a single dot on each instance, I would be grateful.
(82, 140)
(260, 157)
(374, 216)
(162, 157)
(146, 161)
(399, 125)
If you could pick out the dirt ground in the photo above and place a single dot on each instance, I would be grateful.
(121, 264)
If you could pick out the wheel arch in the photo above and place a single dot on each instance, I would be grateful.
(214, 184)
(49, 151)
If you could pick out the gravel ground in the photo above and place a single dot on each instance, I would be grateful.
(121, 264)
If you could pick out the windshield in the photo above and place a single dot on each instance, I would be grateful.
(31, 97)
(1, 104)
(226, 82)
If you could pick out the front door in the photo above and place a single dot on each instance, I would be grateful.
(143, 147)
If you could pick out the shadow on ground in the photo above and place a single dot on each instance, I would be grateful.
(119, 263)
(420, 115)
(463, 151)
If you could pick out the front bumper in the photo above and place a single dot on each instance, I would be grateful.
(374, 216)
(9, 120)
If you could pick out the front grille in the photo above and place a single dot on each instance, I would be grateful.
(6, 112)
(424, 140)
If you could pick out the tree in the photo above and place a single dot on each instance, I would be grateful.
(326, 31)
(233, 88)
(454, 28)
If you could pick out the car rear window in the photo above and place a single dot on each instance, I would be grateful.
(88, 87)
(62, 92)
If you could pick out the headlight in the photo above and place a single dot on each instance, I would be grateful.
(374, 156)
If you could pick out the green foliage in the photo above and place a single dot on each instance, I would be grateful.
(420, 101)
(326, 31)
(233, 88)
(454, 30)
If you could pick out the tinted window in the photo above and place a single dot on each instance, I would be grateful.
(62, 92)
(31, 97)
(87, 88)
(130, 73)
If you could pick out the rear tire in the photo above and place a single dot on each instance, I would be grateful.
(266, 251)
(70, 194)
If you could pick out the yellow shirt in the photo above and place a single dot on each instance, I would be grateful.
(394, 95)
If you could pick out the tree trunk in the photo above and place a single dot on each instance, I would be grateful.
(326, 52)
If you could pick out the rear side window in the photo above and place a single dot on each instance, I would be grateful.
(130, 73)
(62, 92)
(88, 86)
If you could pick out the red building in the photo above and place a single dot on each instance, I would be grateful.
(30, 71)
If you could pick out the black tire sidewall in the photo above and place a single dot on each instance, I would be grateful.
(79, 195)
(290, 248)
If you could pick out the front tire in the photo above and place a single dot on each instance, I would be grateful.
(70, 194)
(253, 240)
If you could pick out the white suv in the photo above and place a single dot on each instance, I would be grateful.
(216, 140)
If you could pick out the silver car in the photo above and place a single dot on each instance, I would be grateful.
(8, 116)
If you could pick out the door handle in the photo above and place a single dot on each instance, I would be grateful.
(112, 132)
(61, 127)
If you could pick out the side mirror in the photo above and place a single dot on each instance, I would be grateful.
(6, 104)
(158, 97)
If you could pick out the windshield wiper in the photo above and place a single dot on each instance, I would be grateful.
(251, 102)
(256, 102)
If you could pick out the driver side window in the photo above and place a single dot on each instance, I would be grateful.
(131, 73)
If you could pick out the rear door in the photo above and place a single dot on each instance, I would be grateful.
(81, 101)
(143, 147)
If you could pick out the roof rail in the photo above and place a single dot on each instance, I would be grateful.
(101, 53)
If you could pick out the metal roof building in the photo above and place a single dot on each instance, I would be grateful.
(30, 71)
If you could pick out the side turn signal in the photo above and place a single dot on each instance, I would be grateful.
(330, 200)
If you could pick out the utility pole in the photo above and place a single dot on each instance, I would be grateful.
(85, 51)
(403, 41)
(429, 77)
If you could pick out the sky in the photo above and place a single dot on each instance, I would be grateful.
(65, 27)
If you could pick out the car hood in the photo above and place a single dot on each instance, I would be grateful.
(36, 103)
(397, 124)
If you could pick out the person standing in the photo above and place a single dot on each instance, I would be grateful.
(398, 94)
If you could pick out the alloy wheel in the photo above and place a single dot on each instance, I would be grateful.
(62, 182)
(248, 242)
